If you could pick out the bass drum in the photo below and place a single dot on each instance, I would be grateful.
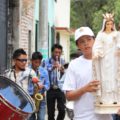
(15, 103)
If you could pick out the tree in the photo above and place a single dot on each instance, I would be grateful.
(89, 13)
(82, 11)
(82, 14)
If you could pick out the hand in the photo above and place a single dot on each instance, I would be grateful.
(118, 52)
(61, 69)
(35, 80)
(92, 86)
(41, 86)
(118, 112)
(95, 57)
(55, 65)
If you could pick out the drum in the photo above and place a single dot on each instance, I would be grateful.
(15, 103)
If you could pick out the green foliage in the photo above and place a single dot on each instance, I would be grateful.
(89, 13)
(73, 47)
(82, 12)
(117, 12)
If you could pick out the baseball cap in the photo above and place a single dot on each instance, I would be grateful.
(83, 31)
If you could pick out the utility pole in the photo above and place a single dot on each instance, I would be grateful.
(42, 44)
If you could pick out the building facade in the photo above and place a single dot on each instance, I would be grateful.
(34, 25)
(62, 25)
(17, 17)
(3, 34)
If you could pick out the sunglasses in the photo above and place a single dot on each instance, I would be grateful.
(22, 60)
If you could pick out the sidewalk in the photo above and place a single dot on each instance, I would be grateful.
(56, 112)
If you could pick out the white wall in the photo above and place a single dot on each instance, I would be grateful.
(62, 20)
(62, 13)
(65, 42)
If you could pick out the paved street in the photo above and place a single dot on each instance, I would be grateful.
(66, 118)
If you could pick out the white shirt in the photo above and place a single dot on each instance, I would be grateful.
(21, 77)
(78, 75)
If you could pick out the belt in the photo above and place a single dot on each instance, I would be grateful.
(54, 87)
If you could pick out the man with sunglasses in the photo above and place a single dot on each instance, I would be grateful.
(19, 73)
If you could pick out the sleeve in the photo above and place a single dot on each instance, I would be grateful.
(70, 79)
(32, 73)
(46, 82)
(30, 83)
(62, 61)
(48, 65)
(98, 46)
(6, 73)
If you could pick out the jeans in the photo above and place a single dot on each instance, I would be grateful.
(116, 117)
(53, 96)
(41, 113)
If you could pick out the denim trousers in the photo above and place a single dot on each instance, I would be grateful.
(42, 110)
(41, 113)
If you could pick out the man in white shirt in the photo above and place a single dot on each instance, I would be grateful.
(78, 82)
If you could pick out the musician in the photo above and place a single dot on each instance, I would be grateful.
(19, 73)
(54, 65)
(43, 83)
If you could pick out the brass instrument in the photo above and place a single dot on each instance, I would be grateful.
(58, 72)
(37, 96)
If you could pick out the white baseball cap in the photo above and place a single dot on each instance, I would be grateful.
(83, 31)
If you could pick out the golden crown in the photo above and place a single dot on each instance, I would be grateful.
(108, 16)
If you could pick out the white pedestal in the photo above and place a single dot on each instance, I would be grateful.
(107, 109)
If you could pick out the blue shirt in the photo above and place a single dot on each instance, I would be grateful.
(44, 79)
(54, 76)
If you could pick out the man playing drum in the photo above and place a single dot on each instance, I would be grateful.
(22, 76)
(19, 73)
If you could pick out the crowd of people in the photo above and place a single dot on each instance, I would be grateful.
(48, 75)
(77, 84)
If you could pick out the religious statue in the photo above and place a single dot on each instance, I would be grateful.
(106, 66)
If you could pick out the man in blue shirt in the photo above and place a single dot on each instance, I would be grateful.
(43, 83)
(54, 65)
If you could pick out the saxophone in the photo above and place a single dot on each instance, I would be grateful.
(37, 96)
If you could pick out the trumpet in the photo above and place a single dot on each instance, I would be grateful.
(57, 70)
(61, 67)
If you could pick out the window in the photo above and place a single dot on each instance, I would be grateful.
(58, 38)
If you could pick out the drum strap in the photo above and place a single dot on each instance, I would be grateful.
(14, 75)
(10, 72)
(29, 77)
